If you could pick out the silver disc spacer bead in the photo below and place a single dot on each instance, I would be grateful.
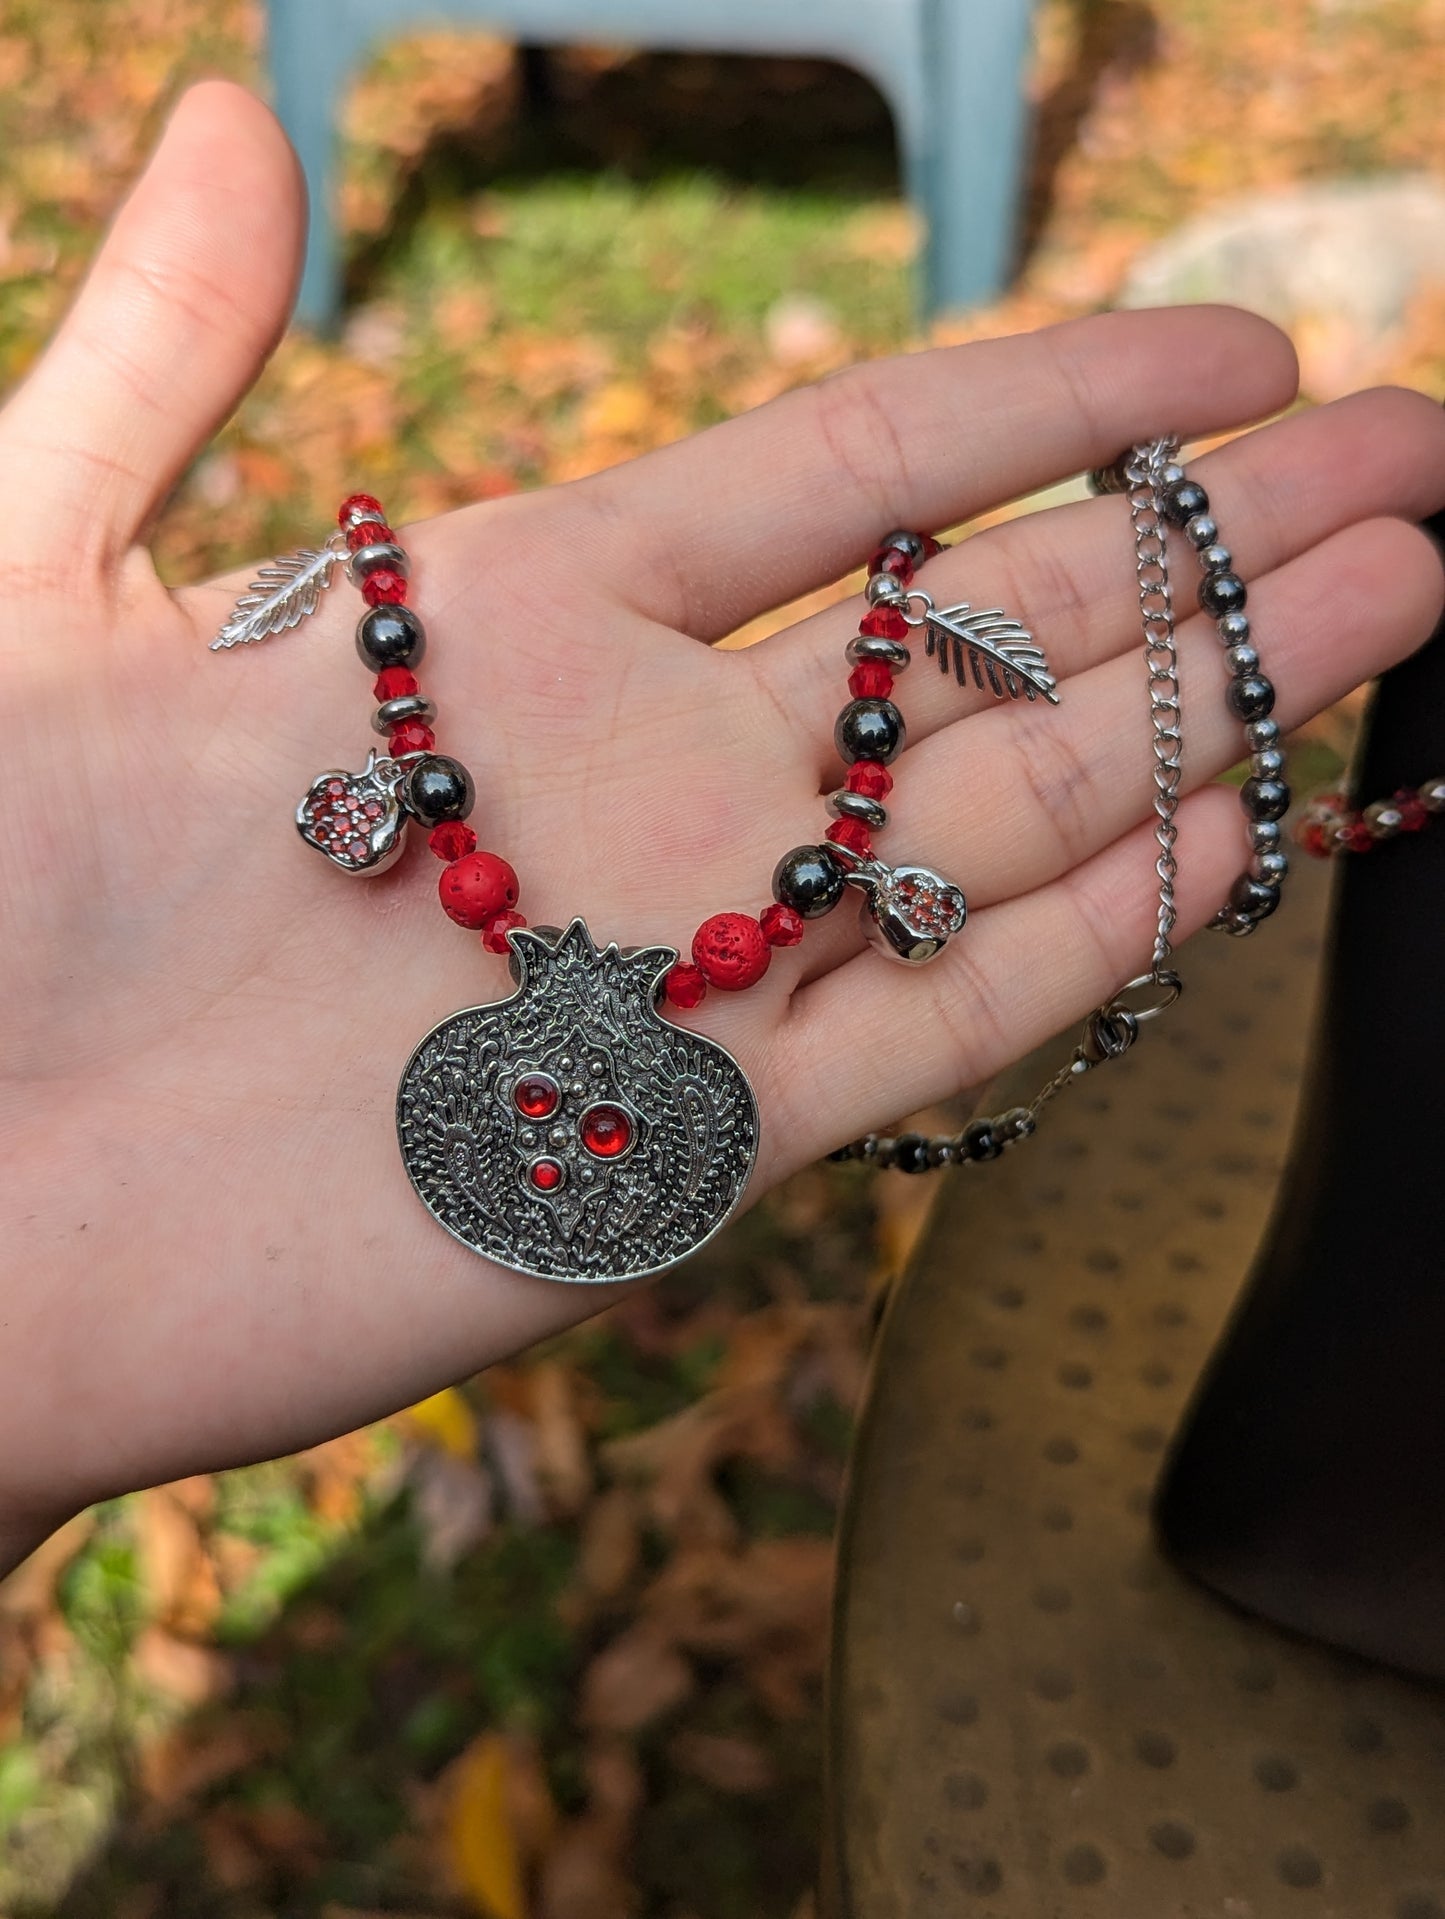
(845, 805)
(1170, 475)
(411, 706)
(1264, 835)
(1215, 558)
(1268, 764)
(367, 560)
(1384, 819)
(1271, 868)
(1241, 659)
(1201, 530)
(876, 647)
(1261, 734)
(883, 588)
(1432, 796)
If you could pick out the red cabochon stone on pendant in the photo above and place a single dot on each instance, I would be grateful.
(606, 1131)
(475, 887)
(535, 1096)
(546, 1174)
(731, 951)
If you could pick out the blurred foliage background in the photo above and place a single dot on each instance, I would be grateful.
(553, 1643)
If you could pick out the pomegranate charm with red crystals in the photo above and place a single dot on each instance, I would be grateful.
(570, 1131)
(909, 912)
(356, 819)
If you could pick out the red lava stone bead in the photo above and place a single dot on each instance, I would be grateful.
(684, 984)
(781, 925)
(871, 778)
(369, 533)
(854, 835)
(394, 683)
(412, 737)
(535, 1096)
(884, 623)
(1356, 837)
(605, 1131)
(546, 1174)
(383, 588)
(358, 504)
(476, 887)
(494, 933)
(1414, 814)
(452, 840)
(732, 951)
(871, 680)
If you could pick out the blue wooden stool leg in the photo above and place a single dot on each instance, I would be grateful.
(311, 59)
(970, 177)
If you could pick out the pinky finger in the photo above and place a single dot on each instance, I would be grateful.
(1022, 971)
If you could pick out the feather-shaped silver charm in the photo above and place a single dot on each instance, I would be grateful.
(282, 594)
(1000, 652)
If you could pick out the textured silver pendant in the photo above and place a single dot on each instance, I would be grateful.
(356, 819)
(569, 1131)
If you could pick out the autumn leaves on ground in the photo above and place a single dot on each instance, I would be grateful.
(551, 1646)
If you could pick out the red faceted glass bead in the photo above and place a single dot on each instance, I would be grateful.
(781, 925)
(369, 533)
(494, 933)
(884, 623)
(684, 984)
(871, 778)
(731, 951)
(605, 1131)
(359, 503)
(412, 737)
(546, 1174)
(1315, 839)
(871, 680)
(1414, 815)
(476, 887)
(535, 1096)
(383, 588)
(854, 835)
(892, 559)
(931, 546)
(1356, 837)
(394, 683)
(452, 840)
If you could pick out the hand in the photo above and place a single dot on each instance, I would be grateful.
(211, 1250)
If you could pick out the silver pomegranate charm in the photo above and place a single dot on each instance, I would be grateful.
(356, 819)
(909, 913)
(569, 1131)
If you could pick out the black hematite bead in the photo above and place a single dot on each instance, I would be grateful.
(869, 730)
(910, 1153)
(390, 636)
(1222, 593)
(1183, 501)
(1265, 799)
(809, 880)
(1253, 898)
(980, 1140)
(1250, 697)
(438, 788)
(909, 543)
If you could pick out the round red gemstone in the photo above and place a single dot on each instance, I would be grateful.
(605, 1131)
(685, 984)
(1356, 837)
(357, 505)
(383, 587)
(394, 683)
(731, 951)
(494, 933)
(535, 1095)
(781, 925)
(1414, 814)
(475, 888)
(870, 778)
(854, 835)
(452, 840)
(871, 680)
(884, 623)
(412, 737)
(369, 533)
(546, 1174)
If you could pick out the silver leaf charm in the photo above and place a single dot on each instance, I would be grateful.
(999, 651)
(909, 912)
(356, 819)
(282, 594)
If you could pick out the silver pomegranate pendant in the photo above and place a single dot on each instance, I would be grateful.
(569, 1131)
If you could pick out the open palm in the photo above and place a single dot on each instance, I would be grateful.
(210, 1250)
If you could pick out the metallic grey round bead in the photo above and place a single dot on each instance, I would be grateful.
(367, 560)
(874, 646)
(1242, 659)
(1432, 796)
(1265, 835)
(411, 706)
(1384, 819)
(882, 588)
(1017, 1123)
(1261, 734)
(1215, 558)
(1201, 530)
(1170, 475)
(1267, 764)
(844, 805)
(1234, 628)
(1270, 868)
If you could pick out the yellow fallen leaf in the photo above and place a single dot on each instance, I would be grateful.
(447, 1421)
(480, 1839)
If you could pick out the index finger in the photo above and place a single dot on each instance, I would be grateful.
(711, 532)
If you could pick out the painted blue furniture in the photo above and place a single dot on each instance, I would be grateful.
(951, 70)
